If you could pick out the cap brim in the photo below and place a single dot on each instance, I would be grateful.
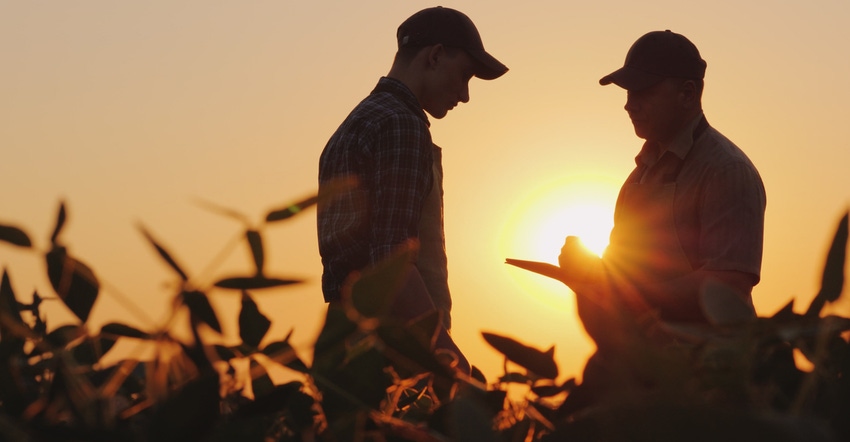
(488, 67)
(631, 79)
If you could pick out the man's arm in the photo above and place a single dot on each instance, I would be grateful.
(585, 273)
(402, 177)
(680, 297)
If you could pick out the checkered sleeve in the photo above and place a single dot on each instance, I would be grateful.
(403, 177)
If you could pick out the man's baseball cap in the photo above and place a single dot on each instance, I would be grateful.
(655, 56)
(439, 25)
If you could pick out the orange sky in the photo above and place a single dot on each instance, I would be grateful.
(130, 111)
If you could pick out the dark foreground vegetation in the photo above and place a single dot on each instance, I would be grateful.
(374, 379)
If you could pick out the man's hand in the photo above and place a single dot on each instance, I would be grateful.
(579, 265)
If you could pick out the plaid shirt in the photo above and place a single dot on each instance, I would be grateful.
(384, 144)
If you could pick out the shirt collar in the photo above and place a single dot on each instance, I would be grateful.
(680, 146)
(403, 93)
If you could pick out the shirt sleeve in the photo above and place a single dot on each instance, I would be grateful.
(732, 219)
(402, 178)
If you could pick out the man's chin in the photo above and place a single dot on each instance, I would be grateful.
(437, 115)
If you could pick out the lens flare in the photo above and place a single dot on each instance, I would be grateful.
(581, 206)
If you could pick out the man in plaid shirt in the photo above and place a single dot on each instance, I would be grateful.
(385, 146)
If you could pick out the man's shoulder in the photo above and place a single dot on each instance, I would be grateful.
(381, 108)
(718, 150)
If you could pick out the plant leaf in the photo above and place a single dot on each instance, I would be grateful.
(408, 351)
(832, 282)
(14, 236)
(64, 335)
(272, 401)
(261, 382)
(541, 363)
(547, 390)
(74, 282)
(514, 378)
(785, 313)
(253, 325)
(114, 328)
(253, 282)
(224, 353)
(291, 209)
(92, 350)
(328, 190)
(60, 222)
(335, 331)
(164, 254)
(721, 306)
(471, 420)
(256, 243)
(283, 353)
(189, 413)
(200, 308)
(9, 306)
(221, 210)
(373, 292)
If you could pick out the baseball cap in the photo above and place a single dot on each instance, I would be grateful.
(439, 25)
(655, 56)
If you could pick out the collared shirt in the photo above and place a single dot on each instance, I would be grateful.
(385, 144)
(719, 202)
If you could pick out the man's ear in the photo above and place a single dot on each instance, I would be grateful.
(689, 93)
(435, 54)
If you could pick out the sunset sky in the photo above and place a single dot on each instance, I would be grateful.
(132, 112)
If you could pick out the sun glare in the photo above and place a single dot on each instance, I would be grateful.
(581, 206)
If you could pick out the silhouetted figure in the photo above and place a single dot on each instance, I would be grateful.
(690, 213)
(385, 145)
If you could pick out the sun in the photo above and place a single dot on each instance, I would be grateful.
(578, 205)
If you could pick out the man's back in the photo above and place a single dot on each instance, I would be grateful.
(385, 145)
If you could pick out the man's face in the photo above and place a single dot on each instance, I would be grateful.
(448, 82)
(656, 112)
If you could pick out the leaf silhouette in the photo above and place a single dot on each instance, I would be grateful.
(538, 362)
(14, 236)
(60, 222)
(256, 243)
(253, 325)
(336, 329)
(722, 306)
(552, 390)
(10, 312)
(114, 328)
(92, 350)
(514, 378)
(283, 353)
(373, 292)
(74, 282)
(271, 402)
(189, 413)
(164, 254)
(200, 308)
(254, 282)
(261, 382)
(785, 313)
(832, 281)
(407, 350)
(224, 353)
(221, 210)
(471, 420)
(329, 190)
(64, 335)
(291, 209)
